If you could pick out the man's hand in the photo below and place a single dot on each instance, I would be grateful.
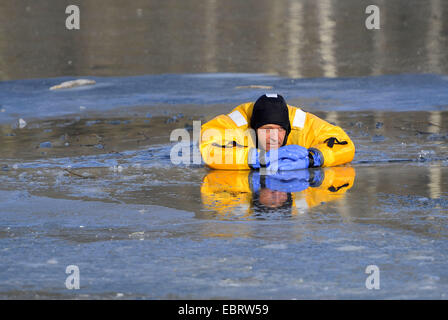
(253, 158)
(288, 164)
(290, 157)
(291, 152)
(316, 158)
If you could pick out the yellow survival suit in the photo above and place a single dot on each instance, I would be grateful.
(225, 141)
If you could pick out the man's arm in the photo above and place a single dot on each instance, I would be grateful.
(331, 141)
(223, 145)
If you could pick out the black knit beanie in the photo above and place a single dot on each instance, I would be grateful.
(271, 108)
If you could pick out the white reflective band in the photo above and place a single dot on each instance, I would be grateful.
(271, 95)
(299, 119)
(238, 118)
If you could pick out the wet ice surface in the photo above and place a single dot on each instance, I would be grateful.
(32, 98)
(128, 244)
(98, 190)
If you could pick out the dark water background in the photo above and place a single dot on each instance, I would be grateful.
(286, 37)
(89, 182)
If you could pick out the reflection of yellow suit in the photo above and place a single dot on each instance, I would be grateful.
(336, 182)
(227, 192)
(307, 130)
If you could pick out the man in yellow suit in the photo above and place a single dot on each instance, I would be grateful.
(271, 134)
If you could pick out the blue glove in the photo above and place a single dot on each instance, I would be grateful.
(292, 151)
(253, 159)
(288, 164)
(257, 159)
(316, 158)
(294, 157)
(290, 157)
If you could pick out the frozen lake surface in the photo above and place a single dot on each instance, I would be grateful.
(95, 187)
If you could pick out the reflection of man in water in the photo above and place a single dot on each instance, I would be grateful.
(273, 198)
(269, 201)
(243, 193)
(273, 193)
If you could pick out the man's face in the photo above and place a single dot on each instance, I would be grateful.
(270, 136)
